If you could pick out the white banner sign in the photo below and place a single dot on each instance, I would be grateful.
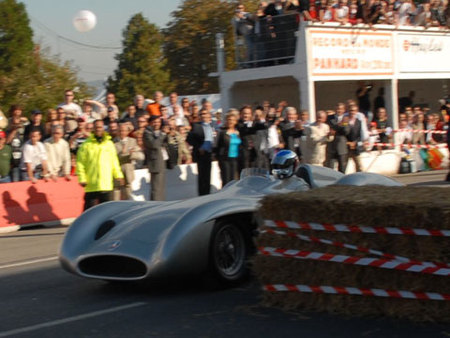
(349, 53)
(423, 53)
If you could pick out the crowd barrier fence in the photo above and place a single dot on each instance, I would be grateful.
(26, 204)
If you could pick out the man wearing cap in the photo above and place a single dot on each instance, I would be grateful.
(36, 124)
(111, 116)
(98, 166)
(5, 159)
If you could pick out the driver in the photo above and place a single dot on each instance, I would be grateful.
(284, 166)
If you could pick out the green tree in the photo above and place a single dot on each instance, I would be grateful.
(142, 65)
(16, 36)
(28, 76)
(191, 43)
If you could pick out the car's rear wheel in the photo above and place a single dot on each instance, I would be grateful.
(229, 252)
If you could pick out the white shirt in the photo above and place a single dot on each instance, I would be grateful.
(273, 139)
(71, 108)
(342, 12)
(33, 154)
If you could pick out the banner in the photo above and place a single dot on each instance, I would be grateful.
(423, 53)
(352, 52)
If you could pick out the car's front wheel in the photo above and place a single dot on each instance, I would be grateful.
(229, 252)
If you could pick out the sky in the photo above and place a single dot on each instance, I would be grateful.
(51, 21)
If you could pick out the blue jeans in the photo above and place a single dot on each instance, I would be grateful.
(5, 179)
(24, 175)
(15, 174)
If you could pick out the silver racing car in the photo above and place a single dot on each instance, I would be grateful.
(130, 241)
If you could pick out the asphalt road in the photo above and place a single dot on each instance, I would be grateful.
(38, 299)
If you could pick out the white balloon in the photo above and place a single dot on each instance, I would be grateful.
(84, 21)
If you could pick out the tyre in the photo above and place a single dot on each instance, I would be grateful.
(228, 253)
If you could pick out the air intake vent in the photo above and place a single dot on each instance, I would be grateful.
(104, 228)
(113, 266)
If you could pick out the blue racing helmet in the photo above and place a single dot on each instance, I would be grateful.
(283, 164)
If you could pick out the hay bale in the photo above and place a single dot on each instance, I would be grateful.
(420, 207)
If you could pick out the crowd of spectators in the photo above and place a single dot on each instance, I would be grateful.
(151, 135)
(269, 33)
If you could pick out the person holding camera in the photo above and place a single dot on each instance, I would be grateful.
(243, 24)
(15, 138)
(337, 150)
(155, 145)
(363, 96)
(355, 138)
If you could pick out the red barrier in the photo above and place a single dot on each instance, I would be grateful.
(26, 203)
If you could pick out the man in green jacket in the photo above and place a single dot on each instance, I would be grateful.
(98, 166)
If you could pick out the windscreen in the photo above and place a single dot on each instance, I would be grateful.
(247, 172)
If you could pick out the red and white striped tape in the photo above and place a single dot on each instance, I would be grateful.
(356, 291)
(358, 229)
(421, 131)
(410, 146)
(361, 261)
(353, 247)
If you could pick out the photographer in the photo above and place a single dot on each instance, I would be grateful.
(15, 138)
(363, 97)
(243, 25)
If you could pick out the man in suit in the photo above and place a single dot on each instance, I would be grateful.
(201, 138)
(291, 130)
(247, 128)
(155, 141)
(337, 149)
(354, 137)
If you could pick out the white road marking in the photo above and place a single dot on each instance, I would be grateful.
(70, 319)
(34, 261)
